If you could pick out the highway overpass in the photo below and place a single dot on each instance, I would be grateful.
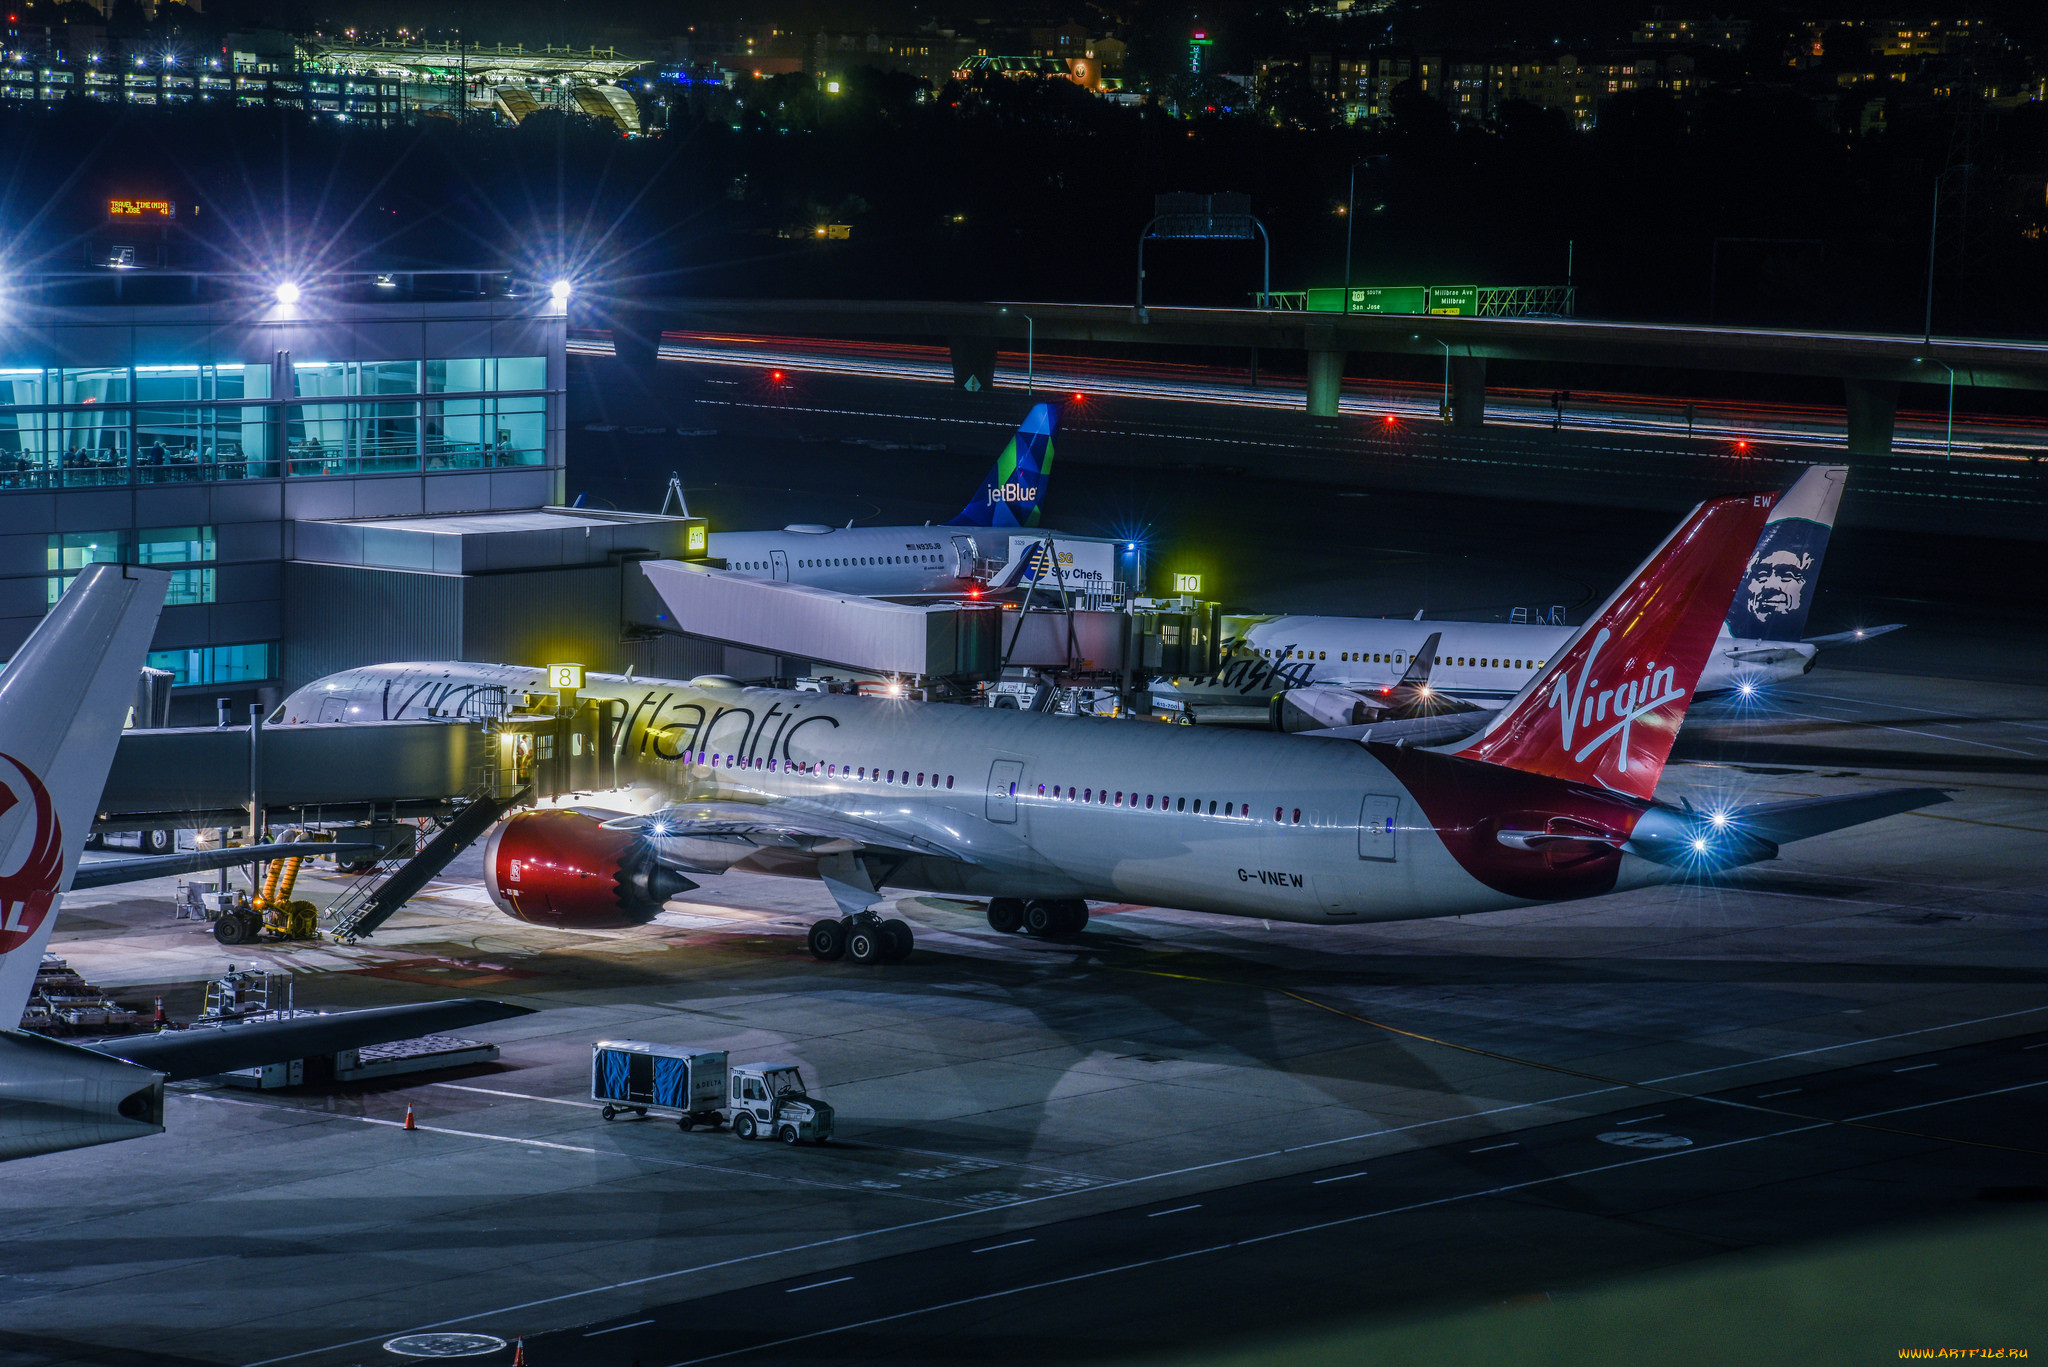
(1871, 366)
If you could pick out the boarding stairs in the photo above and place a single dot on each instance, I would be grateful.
(369, 901)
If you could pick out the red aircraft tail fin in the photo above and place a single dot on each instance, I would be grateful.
(1607, 708)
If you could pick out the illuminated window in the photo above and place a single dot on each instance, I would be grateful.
(217, 664)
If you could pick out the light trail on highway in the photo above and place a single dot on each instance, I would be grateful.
(1390, 402)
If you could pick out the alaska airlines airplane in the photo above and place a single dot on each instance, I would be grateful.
(1552, 800)
(903, 562)
(1314, 672)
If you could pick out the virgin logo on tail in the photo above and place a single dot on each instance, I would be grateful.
(27, 893)
(1587, 704)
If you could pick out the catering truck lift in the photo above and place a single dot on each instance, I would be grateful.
(758, 1099)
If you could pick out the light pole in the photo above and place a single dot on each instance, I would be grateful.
(1447, 376)
(1030, 333)
(1933, 229)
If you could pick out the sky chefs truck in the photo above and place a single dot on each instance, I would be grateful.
(759, 1099)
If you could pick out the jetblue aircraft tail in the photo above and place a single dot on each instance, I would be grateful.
(63, 699)
(1010, 495)
(1778, 585)
(1609, 705)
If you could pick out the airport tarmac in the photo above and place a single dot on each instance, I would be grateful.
(1177, 1132)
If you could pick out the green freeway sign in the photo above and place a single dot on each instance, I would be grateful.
(1388, 299)
(1457, 301)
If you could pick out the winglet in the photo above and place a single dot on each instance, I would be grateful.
(1417, 673)
(1608, 707)
(1009, 496)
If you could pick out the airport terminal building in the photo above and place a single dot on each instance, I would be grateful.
(200, 437)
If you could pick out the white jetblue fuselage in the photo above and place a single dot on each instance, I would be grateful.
(1014, 804)
(876, 562)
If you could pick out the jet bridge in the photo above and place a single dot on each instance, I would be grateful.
(956, 641)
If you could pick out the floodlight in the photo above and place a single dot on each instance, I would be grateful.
(559, 292)
(287, 294)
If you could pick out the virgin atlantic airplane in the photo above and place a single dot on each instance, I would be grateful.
(1552, 801)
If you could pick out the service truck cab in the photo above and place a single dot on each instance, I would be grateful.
(769, 1099)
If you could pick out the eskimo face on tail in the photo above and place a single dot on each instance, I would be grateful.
(1609, 706)
(1777, 587)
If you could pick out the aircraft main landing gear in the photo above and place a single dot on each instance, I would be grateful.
(864, 938)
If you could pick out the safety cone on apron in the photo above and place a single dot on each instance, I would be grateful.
(408, 1117)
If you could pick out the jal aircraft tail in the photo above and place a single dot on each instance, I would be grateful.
(1010, 496)
(1778, 583)
(63, 698)
(1608, 707)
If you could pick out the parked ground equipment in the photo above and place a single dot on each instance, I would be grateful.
(699, 1088)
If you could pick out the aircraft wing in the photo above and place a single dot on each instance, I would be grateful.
(1850, 638)
(207, 1050)
(107, 872)
(813, 829)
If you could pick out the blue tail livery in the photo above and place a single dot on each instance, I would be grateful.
(1009, 496)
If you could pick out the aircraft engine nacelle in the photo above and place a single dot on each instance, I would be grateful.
(564, 869)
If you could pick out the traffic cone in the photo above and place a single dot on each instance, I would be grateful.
(410, 1126)
(519, 1353)
(161, 1020)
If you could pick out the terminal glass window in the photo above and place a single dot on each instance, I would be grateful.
(216, 664)
(172, 423)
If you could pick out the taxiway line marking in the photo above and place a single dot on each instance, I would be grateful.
(1916, 1067)
(837, 1239)
(616, 1328)
(1343, 1177)
(1511, 1144)
(520, 1096)
(577, 1148)
(1500, 1190)
(1175, 1211)
(1014, 1243)
(1766, 1096)
(834, 1281)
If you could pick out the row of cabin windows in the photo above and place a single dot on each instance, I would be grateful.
(1363, 657)
(711, 760)
(843, 561)
(1101, 797)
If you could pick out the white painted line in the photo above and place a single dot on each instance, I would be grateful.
(1766, 1096)
(815, 1285)
(1175, 1211)
(1641, 1119)
(520, 1096)
(1511, 1144)
(1344, 1178)
(616, 1328)
(1014, 1243)
(2042, 1045)
(1916, 1067)
(1509, 1108)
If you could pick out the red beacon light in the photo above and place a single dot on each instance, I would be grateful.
(775, 377)
(1389, 420)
